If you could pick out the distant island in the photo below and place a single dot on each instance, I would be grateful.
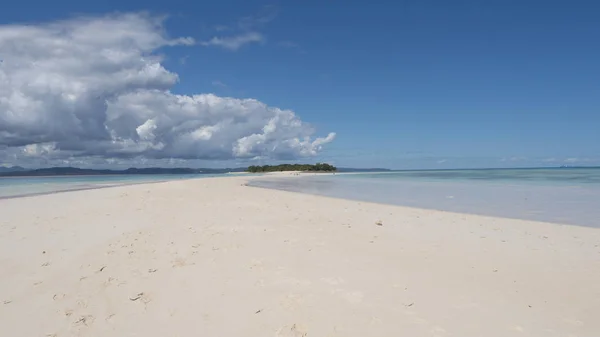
(318, 167)
(18, 171)
(73, 171)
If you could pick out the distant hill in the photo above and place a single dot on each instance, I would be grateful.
(4, 169)
(17, 171)
(73, 171)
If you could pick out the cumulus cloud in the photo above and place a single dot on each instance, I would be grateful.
(95, 87)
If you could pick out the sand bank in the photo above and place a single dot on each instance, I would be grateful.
(212, 257)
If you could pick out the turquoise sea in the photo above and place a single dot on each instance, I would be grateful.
(23, 186)
(560, 195)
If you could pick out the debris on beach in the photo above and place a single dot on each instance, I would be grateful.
(85, 320)
(136, 297)
(379, 223)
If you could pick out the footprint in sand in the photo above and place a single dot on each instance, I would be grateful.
(181, 262)
(141, 297)
(82, 303)
(59, 296)
(437, 331)
(256, 265)
(291, 331)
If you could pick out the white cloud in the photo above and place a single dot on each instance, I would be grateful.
(573, 160)
(94, 87)
(36, 150)
(581, 160)
(264, 16)
(235, 42)
(245, 32)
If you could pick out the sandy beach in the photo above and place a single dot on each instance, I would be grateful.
(213, 257)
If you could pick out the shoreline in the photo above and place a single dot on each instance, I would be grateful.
(185, 257)
(101, 185)
(109, 175)
(562, 204)
(294, 174)
(76, 189)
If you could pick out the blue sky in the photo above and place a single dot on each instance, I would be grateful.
(403, 84)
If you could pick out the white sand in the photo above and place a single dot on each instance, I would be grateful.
(211, 257)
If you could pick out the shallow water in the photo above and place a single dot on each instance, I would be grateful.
(11, 187)
(539, 176)
(567, 196)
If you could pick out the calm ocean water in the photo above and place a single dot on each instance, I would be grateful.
(541, 176)
(565, 195)
(23, 186)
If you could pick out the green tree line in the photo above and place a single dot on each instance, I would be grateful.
(318, 167)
